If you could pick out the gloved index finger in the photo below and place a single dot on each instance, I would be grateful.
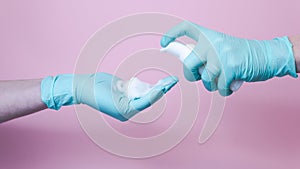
(184, 28)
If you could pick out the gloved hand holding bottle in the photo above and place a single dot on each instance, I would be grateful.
(227, 59)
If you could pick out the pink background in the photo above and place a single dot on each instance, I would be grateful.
(260, 127)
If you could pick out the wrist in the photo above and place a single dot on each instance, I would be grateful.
(57, 91)
(295, 41)
(274, 58)
(281, 57)
(83, 88)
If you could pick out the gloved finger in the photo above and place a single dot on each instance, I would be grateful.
(167, 83)
(191, 66)
(184, 28)
(162, 87)
(224, 82)
(209, 78)
(211, 72)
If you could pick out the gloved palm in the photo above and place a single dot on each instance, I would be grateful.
(226, 58)
(101, 91)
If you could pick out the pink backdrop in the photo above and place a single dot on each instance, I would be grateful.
(260, 127)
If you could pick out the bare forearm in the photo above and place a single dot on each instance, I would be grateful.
(19, 98)
(295, 40)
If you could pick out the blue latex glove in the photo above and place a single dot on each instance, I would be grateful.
(227, 58)
(100, 91)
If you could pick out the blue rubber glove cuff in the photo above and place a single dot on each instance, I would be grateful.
(55, 96)
(285, 66)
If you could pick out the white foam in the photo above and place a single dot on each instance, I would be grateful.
(137, 88)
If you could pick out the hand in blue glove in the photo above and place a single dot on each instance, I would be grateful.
(226, 58)
(102, 92)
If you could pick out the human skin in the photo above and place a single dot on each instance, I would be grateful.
(20, 98)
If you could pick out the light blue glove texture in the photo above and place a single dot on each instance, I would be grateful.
(100, 91)
(227, 58)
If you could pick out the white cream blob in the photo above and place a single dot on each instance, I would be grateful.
(182, 51)
(137, 88)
